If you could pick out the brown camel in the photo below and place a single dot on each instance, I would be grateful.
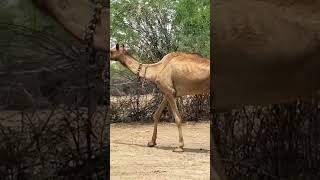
(177, 74)
(266, 51)
(74, 16)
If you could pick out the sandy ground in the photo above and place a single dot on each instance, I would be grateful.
(132, 159)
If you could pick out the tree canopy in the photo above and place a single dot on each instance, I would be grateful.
(153, 28)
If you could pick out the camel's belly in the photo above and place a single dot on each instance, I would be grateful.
(192, 88)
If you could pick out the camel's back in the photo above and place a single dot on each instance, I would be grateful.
(177, 58)
(190, 73)
(190, 68)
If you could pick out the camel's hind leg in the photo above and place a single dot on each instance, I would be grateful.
(156, 117)
(178, 120)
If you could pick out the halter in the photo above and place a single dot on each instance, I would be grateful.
(138, 72)
(139, 78)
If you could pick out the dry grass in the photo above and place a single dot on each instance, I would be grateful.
(141, 107)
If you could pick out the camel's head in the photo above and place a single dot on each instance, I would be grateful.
(117, 52)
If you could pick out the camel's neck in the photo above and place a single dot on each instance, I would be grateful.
(75, 15)
(147, 71)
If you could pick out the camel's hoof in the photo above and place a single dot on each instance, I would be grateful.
(151, 144)
(178, 149)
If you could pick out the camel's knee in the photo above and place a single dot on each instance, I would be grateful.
(156, 116)
(169, 91)
(178, 120)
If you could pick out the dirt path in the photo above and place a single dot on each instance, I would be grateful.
(132, 159)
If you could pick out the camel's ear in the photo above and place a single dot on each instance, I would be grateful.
(117, 46)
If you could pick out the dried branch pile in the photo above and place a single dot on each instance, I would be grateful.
(273, 142)
(46, 129)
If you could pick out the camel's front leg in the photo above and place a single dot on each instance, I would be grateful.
(156, 117)
(178, 120)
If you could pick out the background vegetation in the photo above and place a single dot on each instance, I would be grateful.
(45, 131)
(270, 142)
(152, 29)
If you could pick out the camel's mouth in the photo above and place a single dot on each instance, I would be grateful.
(112, 59)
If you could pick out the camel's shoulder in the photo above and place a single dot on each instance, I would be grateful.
(178, 54)
(171, 55)
(177, 57)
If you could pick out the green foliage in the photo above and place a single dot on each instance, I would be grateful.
(31, 42)
(193, 20)
(116, 70)
(144, 26)
(154, 28)
(24, 13)
(26, 34)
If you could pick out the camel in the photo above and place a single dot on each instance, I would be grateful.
(75, 15)
(266, 52)
(176, 74)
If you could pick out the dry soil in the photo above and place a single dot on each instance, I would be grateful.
(132, 159)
